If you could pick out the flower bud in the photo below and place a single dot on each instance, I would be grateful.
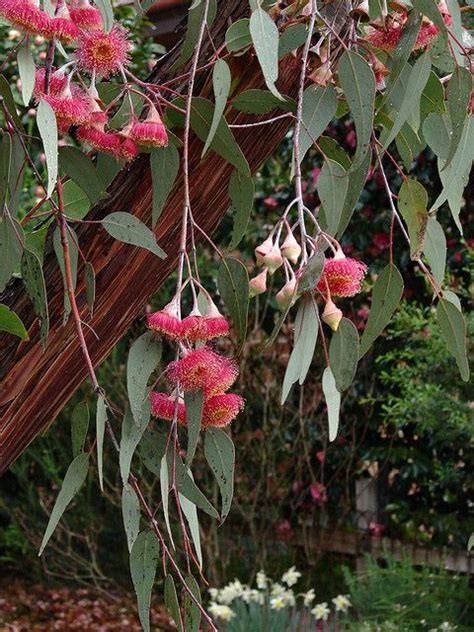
(290, 248)
(262, 250)
(258, 285)
(332, 315)
(287, 295)
(361, 12)
(273, 260)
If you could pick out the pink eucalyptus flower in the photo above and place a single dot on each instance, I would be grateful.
(343, 276)
(151, 131)
(104, 53)
(166, 322)
(163, 406)
(221, 409)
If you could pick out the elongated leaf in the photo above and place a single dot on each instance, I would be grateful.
(48, 129)
(26, 68)
(412, 202)
(81, 169)
(89, 278)
(11, 323)
(332, 188)
(190, 511)
(257, 101)
(306, 335)
(143, 358)
(432, 98)
(358, 84)
(73, 257)
(105, 8)
(101, 418)
(11, 247)
(143, 563)
(333, 402)
(435, 249)
(164, 165)
(241, 193)
(130, 514)
(221, 80)
(79, 428)
(5, 164)
(311, 273)
(264, 33)
(130, 438)
(238, 35)
(344, 354)
(233, 284)
(165, 494)
(6, 93)
(334, 151)
(453, 328)
(129, 229)
(192, 614)
(172, 603)
(76, 202)
(357, 181)
(220, 454)
(386, 296)
(292, 38)
(411, 100)
(33, 278)
(459, 94)
(73, 481)
(319, 108)
(196, 15)
(194, 403)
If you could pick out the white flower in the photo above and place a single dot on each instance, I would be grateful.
(277, 590)
(308, 597)
(291, 576)
(213, 592)
(285, 598)
(446, 627)
(341, 603)
(227, 595)
(262, 580)
(321, 611)
(221, 612)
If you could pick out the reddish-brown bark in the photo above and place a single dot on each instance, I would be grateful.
(35, 383)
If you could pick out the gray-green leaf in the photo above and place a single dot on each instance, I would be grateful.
(319, 108)
(26, 68)
(79, 428)
(33, 278)
(412, 202)
(143, 358)
(101, 418)
(48, 129)
(164, 165)
(453, 329)
(344, 354)
(233, 284)
(220, 454)
(241, 193)
(80, 168)
(143, 563)
(332, 188)
(172, 603)
(130, 514)
(435, 249)
(194, 403)
(105, 8)
(264, 33)
(129, 229)
(11, 323)
(333, 402)
(221, 80)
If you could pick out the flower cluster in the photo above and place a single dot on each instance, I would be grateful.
(270, 595)
(198, 368)
(98, 54)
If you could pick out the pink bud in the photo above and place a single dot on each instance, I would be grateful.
(258, 285)
(332, 315)
(262, 250)
(291, 249)
(287, 295)
(273, 260)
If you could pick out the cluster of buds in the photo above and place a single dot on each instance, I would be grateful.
(97, 53)
(341, 276)
(199, 367)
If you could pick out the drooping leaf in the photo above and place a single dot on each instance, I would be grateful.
(33, 278)
(164, 166)
(257, 101)
(458, 92)
(409, 145)
(412, 202)
(221, 80)
(333, 402)
(165, 494)
(358, 84)
(344, 354)
(452, 298)
(292, 38)
(220, 455)
(319, 108)
(195, 18)
(101, 418)
(73, 258)
(11, 323)
(453, 329)
(12, 240)
(89, 278)
(435, 249)
(192, 614)
(432, 97)
(143, 358)
(334, 151)
(306, 335)
(172, 603)
(72, 483)
(130, 438)
(311, 273)
(143, 563)
(386, 296)
(5, 164)
(6, 93)
(357, 181)
(194, 402)
(241, 193)
(79, 428)
(129, 229)
(80, 168)
(48, 129)
(332, 188)
(238, 35)
(233, 284)
(264, 33)
(190, 512)
(107, 13)
(130, 514)
(76, 202)
(26, 68)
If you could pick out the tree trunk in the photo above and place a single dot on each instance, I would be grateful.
(35, 384)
